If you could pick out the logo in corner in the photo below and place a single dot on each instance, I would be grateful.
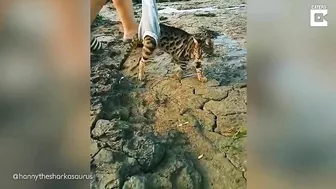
(318, 15)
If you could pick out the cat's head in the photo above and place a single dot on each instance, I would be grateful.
(204, 47)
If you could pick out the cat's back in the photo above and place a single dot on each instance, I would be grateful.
(167, 31)
(175, 42)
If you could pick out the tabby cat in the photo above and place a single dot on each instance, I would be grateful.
(182, 46)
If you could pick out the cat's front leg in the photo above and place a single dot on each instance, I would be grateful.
(199, 71)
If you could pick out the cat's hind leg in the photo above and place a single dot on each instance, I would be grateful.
(149, 45)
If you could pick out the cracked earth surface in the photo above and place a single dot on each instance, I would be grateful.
(163, 133)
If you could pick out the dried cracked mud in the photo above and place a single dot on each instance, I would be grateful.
(163, 133)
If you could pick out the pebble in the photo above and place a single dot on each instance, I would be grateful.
(200, 157)
(205, 14)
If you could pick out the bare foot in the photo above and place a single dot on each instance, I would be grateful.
(129, 34)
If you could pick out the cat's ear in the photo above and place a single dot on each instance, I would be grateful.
(195, 41)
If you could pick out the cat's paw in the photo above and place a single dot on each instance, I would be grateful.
(141, 76)
(202, 79)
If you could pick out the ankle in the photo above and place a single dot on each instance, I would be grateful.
(130, 33)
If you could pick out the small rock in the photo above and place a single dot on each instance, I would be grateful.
(240, 85)
(177, 170)
(206, 118)
(185, 180)
(233, 104)
(103, 156)
(111, 62)
(146, 150)
(101, 127)
(158, 181)
(114, 53)
(135, 182)
(217, 94)
(107, 180)
(163, 18)
(229, 121)
(200, 157)
(93, 148)
(186, 118)
(185, 123)
(205, 14)
(124, 113)
(121, 113)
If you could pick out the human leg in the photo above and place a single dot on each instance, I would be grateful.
(126, 14)
(95, 7)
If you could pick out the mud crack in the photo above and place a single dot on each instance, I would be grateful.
(215, 126)
(235, 113)
(203, 104)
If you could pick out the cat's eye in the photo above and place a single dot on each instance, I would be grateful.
(208, 42)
